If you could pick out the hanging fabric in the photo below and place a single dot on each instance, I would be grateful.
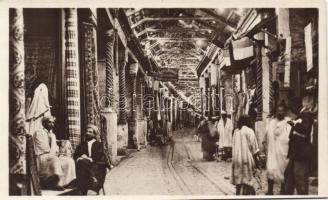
(287, 57)
(308, 46)
(226, 57)
(242, 48)
(158, 108)
(39, 108)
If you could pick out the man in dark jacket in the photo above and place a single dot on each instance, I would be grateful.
(209, 136)
(299, 154)
(91, 165)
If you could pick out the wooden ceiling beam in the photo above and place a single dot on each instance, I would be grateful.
(180, 30)
(175, 39)
(133, 12)
(175, 50)
(171, 19)
(219, 18)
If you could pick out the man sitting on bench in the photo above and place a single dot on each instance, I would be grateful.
(91, 165)
(55, 172)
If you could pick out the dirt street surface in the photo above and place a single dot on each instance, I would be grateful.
(175, 169)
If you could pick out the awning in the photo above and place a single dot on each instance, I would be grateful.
(257, 28)
(239, 57)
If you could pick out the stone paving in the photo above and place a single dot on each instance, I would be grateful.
(146, 172)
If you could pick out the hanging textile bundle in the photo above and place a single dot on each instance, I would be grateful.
(242, 48)
(39, 107)
(226, 57)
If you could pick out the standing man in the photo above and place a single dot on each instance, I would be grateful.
(300, 151)
(225, 131)
(245, 161)
(276, 144)
(209, 136)
(150, 130)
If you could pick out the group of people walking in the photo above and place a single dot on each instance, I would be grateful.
(216, 137)
(287, 146)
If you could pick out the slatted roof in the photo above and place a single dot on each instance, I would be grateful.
(180, 37)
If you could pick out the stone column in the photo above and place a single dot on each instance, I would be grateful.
(17, 131)
(108, 111)
(122, 126)
(122, 104)
(202, 100)
(263, 85)
(72, 80)
(173, 113)
(133, 125)
(259, 100)
(213, 84)
(109, 60)
(207, 97)
(89, 60)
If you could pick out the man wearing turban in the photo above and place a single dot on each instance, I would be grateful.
(55, 171)
(91, 165)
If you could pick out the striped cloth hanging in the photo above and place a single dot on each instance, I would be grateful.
(72, 78)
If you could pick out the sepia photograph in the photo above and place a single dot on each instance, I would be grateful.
(164, 101)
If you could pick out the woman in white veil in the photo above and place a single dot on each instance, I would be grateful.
(39, 108)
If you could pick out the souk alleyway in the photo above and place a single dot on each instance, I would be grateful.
(175, 169)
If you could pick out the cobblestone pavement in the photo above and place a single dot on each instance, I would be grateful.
(175, 169)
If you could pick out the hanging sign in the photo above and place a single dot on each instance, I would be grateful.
(287, 61)
(308, 47)
(213, 69)
(166, 74)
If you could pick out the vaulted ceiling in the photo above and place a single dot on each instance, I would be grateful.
(180, 38)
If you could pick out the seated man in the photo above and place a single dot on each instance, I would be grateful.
(91, 163)
(52, 169)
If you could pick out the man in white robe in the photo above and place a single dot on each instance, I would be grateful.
(276, 143)
(245, 160)
(225, 132)
(52, 169)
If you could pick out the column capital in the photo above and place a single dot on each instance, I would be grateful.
(109, 34)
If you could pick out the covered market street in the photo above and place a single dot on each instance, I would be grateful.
(163, 101)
